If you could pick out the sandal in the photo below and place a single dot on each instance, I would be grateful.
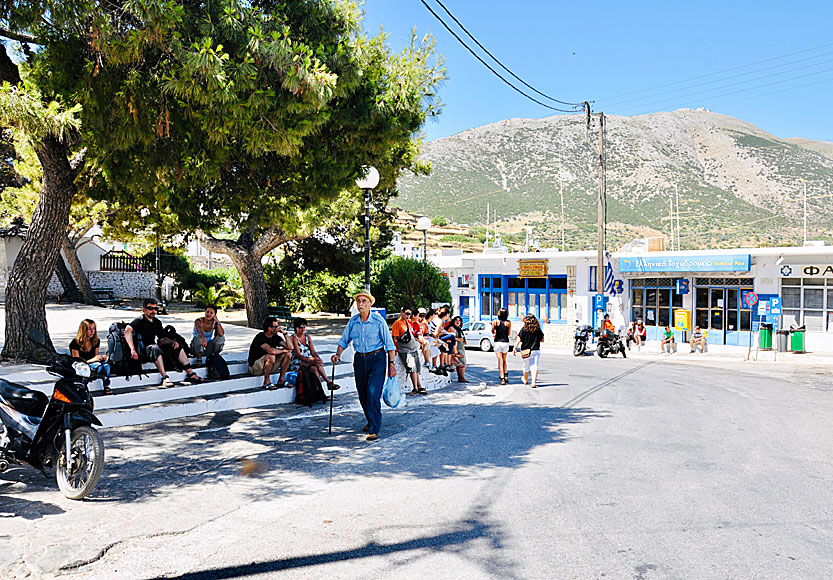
(270, 387)
(422, 392)
(413, 392)
(194, 378)
(332, 386)
(107, 390)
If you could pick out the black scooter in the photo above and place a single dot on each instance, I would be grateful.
(582, 336)
(55, 431)
(610, 343)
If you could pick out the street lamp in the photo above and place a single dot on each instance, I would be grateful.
(368, 180)
(804, 181)
(422, 225)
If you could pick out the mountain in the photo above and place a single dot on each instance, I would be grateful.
(737, 184)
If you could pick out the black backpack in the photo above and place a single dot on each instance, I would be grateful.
(308, 389)
(217, 367)
(118, 352)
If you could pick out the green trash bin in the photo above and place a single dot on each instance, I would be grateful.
(797, 340)
(765, 337)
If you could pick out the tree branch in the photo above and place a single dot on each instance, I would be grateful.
(269, 240)
(18, 36)
(217, 245)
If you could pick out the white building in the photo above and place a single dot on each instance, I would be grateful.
(709, 285)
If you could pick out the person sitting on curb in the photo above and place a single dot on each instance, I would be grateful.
(457, 327)
(698, 339)
(304, 355)
(269, 348)
(420, 331)
(145, 334)
(408, 349)
(208, 337)
(640, 333)
(667, 338)
(85, 346)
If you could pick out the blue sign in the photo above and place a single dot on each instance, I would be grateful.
(599, 302)
(691, 263)
(618, 287)
(775, 305)
(682, 286)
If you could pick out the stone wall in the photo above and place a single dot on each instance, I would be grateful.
(128, 285)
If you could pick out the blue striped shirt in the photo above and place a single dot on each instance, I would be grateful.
(367, 336)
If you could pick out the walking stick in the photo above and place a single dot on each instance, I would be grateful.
(332, 396)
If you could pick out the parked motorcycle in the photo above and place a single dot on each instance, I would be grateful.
(610, 343)
(54, 432)
(582, 336)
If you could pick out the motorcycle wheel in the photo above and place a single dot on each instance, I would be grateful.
(579, 348)
(601, 350)
(77, 479)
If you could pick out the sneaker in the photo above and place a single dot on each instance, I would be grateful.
(692, 351)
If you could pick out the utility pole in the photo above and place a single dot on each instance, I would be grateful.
(804, 181)
(677, 199)
(563, 244)
(488, 218)
(600, 275)
(671, 217)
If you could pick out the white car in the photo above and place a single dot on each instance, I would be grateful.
(479, 335)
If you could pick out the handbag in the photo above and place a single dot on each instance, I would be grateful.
(526, 353)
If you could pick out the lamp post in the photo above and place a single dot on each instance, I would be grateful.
(423, 224)
(368, 180)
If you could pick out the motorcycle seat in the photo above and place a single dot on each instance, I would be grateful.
(25, 400)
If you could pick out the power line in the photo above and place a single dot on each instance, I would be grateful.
(496, 73)
(494, 58)
(717, 73)
(622, 102)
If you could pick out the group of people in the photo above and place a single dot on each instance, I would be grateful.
(527, 344)
(637, 334)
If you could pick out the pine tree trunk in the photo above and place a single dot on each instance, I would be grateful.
(245, 254)
(71, 291)
(254, 287)
(32, 270)
(71, 253)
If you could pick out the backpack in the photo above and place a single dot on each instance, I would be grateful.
(406, 336)
(117, 348)
(217, 367)
(308, 389)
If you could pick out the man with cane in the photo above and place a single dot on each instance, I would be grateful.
(375, 352)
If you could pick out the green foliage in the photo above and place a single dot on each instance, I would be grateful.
(439, 221)
(405, 282)
(219, 295)
(308, 291)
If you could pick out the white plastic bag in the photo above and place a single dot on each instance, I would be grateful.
(391, 394)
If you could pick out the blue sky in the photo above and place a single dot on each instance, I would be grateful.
(620, 54)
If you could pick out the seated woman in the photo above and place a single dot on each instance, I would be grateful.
(85, 346)
(304, 355)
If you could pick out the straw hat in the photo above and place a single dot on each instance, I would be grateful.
(367, 294)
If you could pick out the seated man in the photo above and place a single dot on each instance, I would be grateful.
(608, 325)
(268, 349)
(698, 339)
(145, 334)
(208, 336)
(667, 338)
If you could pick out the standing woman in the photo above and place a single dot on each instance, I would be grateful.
(501, 329)
(85, 346)
(529, 339)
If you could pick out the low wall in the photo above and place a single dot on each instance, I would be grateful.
(128, 285)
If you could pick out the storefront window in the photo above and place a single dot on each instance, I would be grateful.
(653, 300)
(808, 302)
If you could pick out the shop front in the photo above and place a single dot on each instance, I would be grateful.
(661, 284)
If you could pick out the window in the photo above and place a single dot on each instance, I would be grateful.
(653, 300)
(807, 302)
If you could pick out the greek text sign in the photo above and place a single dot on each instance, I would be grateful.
(533, 268)
(722, 263)
(807, 271)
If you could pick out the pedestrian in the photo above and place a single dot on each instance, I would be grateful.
(529, 340)
(501, 329)
(457, 327)
(408, 349)
(375, 352)
(85, 346)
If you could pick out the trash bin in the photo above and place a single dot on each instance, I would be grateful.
(382, 312)
(765, 337)
(797, 339)
(782, 340)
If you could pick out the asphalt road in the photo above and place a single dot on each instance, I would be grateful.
(637, 468)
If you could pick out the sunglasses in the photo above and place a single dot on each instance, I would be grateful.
(422, 316)
(407, 314)
(151, 308)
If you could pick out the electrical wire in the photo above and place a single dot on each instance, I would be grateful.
(496, 73)
(494, 58)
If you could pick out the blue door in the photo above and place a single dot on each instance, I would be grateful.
(464, 309)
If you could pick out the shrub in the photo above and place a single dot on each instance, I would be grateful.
(405, 282)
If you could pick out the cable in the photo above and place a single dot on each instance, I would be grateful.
(717, 73)
(484, 63)
(494, 58)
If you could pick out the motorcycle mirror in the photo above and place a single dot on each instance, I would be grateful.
(37, 337)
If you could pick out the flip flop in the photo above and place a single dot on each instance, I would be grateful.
(270, 387)
(333, 387)
(107, 390)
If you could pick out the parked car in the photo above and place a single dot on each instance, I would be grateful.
(479, 335)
